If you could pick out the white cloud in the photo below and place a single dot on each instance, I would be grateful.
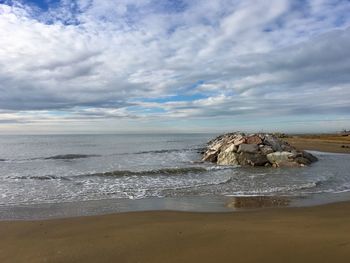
(98, 59)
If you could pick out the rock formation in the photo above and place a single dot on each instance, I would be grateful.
(260, 149)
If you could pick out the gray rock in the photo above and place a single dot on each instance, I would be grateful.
(228, 158)
(278, 157)
(288, 164)
(287, 148)
(217, 146)
(254, 139)
(266, 149)
(309, 156)
(248, 148)
(229, 147)
(253, 159)
(273, 141)
(302, 160)
(263, 150)
(239, 140)
(210, 156)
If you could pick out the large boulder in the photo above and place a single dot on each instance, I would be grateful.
(303, 160)
(309, 156)
(228, 158)
(254, 140)
(210, 156)
(278, 157)
(273, 141)
(265, 149)
(255, 150)
(239, 140)
(248, 148)
(252, 159)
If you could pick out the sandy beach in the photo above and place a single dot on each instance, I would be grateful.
(308, 234)
(316, 234)
(324, 143)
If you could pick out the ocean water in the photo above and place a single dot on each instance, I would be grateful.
(54, 169)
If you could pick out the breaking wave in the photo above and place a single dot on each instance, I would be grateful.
(125, 173)
(278, 190)
(165, 171)
(170, 151)
(70, 156)
(41, 177)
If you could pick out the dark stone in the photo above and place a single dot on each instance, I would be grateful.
(273, 142)
(287, 148)
(303, 160)
(253, 159)
(266, 149)
(210, 157)
(254, 140)
(309, 156)
(248, 148)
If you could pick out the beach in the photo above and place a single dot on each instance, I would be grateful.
(334, 143)
(314, 234)
(279, 234)
(139, 131)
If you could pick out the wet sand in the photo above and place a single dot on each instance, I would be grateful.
(323, 143)
(307, 234)
(313, 234)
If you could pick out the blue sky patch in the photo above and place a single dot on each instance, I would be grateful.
(177, 98)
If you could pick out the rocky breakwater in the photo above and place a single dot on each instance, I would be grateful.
(260, 149)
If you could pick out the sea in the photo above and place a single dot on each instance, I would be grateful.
(50, 176)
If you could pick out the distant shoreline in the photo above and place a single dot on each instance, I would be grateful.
(333, 143)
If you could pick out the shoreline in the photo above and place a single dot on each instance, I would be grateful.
(332, 143)
(187, 204)
(314, 233)
(211, 204)
(306, 234)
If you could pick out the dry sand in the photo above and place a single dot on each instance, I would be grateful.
(313, 234)
(310, 234)
(324, 143)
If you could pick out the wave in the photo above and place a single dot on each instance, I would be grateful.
(278, 190)
(161, 151)
(169, 191)
(123, 173)
(80, 156)
(70, 156)
(54, 157)
(164, 171)
(170, 151)
(83, 156)
(222, 167)
(41, 177)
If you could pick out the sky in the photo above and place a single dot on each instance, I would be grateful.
(119, 66)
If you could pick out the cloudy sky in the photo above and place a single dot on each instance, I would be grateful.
(174, 65)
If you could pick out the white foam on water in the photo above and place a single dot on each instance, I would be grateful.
(148, 175)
